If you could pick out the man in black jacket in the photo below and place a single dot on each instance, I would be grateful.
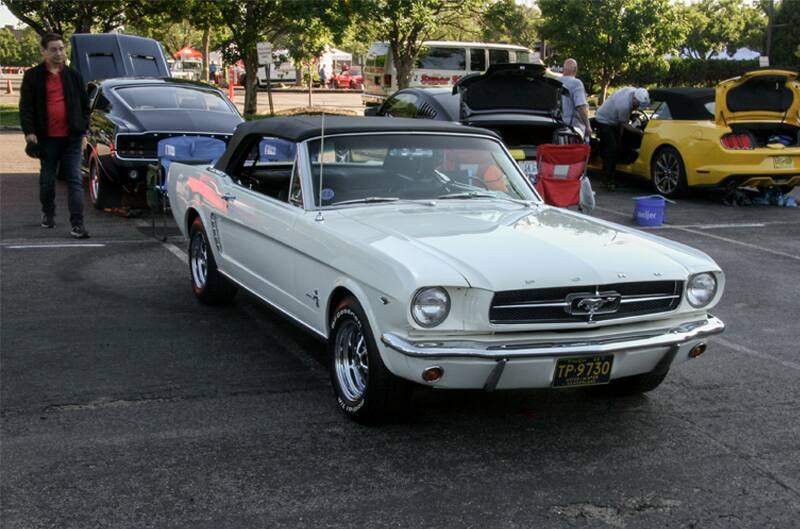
(54, 111)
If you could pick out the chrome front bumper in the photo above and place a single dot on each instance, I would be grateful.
(496, 350)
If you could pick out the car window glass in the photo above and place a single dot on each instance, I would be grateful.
(402, 106)
(296, 188)
(412, 167)
(660, 110)
(498, 57)
(523, 57)
(442, 58)
(156, 97)
(268, 167)
(711, 106)
(477, 60)
(101, 103)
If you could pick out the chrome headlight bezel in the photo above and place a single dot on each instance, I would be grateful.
(705, 282)
(435, 299)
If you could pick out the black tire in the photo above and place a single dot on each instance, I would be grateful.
(102, 192)
(636, 384)
(668, 172)
(365, 390)
(210, 287)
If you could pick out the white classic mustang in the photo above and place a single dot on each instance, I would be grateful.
(420, 252)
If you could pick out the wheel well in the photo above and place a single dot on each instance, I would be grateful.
(337, 296)
(191, 214)
(658, 150)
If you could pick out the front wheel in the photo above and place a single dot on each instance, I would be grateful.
(208, 284)
(636, 384)
(364, 388)
(668, 172)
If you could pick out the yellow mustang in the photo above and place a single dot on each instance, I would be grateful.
(744, 133)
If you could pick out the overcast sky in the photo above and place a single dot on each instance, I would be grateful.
(6, 17)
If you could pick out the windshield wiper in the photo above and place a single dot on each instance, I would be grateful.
(366, 200)
(478, 194)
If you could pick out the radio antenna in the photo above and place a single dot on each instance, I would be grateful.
(319, 217)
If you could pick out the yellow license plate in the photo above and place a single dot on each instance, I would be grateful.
(783, 162)
(585, 371)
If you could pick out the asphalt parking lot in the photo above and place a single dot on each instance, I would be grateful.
(125, 403)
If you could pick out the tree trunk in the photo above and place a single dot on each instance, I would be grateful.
(206, 38)
(298, 75)
(250, 88)
(603, 91)
(310, 83)
(403, 67)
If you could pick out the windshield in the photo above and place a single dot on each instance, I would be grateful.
(390, 167)
(164, 97)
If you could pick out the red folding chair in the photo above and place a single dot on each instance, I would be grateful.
(560, 169)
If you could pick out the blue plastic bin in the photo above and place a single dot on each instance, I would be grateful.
(650, 210)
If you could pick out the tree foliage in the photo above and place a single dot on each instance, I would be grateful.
(69, 16)
(608, 37)
(510, 22)
(785, 49)
(9, 48)
(720, 26)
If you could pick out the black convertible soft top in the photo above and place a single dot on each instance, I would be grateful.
(685, 103)
(302, 128)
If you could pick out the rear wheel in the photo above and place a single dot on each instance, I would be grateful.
(102, 192)
(668, 172)
(364, 388)
(210, 286)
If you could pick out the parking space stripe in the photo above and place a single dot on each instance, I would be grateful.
(64, 245)
(758, 354)
(713, 236)
(177, 252)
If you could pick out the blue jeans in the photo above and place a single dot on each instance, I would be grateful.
(67, 152)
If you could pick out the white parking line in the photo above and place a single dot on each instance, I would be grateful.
(174, 250)
(718, 237)
(65, 245)
(758, 354)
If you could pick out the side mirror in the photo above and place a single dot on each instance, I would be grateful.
(371, 111)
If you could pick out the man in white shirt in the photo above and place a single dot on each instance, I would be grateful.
(574, 108)
(612, 118)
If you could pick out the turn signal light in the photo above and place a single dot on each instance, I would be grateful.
(697, 350)
(737, 142)
(432, 374)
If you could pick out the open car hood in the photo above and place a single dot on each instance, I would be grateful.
(509, 88)
(758, 96)
(99, 56)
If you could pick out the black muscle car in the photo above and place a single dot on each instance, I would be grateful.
(130, 116)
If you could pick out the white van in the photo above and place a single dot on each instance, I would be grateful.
(282, 70)
(440, 63)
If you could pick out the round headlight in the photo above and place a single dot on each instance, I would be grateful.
(430, 306)
(700, 289)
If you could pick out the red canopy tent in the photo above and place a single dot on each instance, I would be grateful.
(187, 53)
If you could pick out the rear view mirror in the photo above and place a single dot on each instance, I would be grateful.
(371, 111)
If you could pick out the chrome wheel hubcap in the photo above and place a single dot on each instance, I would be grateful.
(351, 361)
(94, 183)
(667, 173)
(198, 260)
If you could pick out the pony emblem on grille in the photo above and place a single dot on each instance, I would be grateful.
(593, 303)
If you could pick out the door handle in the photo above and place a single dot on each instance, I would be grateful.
(227, 197)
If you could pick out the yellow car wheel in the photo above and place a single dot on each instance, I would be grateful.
(668, 172)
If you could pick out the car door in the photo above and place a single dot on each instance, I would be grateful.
(255, 227)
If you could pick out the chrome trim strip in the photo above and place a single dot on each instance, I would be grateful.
(672, 336)
(651, 298)
(532, 305)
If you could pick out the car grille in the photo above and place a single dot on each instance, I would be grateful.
(145, 146)
(567, 305)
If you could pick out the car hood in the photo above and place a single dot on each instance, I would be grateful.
(761, 95)
(509, 88)
(182, 120)
(513, 247)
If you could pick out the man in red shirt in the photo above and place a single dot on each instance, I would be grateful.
(54, 113)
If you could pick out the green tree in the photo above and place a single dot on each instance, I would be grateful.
(607, 37)
(206, 16)
(786, 35)
(720, 26)
(405, 24)
(306, 41)
(69, 16)
(9, 48)
(508, 21)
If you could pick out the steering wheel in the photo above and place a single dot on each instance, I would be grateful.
(639, 119)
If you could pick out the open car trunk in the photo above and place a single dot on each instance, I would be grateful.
(770, 97)
(763, 134)
(525, 133)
